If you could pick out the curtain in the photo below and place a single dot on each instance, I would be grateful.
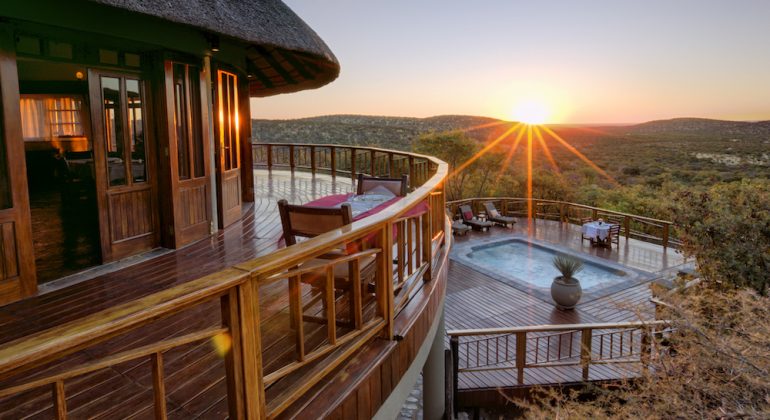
(34, 119)
(43, 118)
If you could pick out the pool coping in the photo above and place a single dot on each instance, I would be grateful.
(635, 276)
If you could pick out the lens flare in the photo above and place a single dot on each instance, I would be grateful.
(222, 344)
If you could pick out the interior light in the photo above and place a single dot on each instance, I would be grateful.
(79, 75)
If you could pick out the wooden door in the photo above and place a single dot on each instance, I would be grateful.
(188, 134)
(227, 129)
(17, 260)
(125, 189)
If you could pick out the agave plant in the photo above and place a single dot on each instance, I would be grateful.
(568, 266)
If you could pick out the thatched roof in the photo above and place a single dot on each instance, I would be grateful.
(287, 55)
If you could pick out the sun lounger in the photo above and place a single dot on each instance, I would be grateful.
(470, 219)
(494, 216)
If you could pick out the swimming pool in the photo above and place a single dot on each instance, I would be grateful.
(527, 265)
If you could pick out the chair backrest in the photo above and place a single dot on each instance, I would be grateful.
(491, 209)
(615, 230)
(308, 221)
(397, 186)
(466, 212)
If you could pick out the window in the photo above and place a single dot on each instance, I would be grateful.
(122, 102)
(48, 117)
(187, 121)
(229, 141)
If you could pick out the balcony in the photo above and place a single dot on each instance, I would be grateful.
(211, 329)
(508, 337)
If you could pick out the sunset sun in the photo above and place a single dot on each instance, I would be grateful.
(531, 111)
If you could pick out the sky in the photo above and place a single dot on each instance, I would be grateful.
(590, 61)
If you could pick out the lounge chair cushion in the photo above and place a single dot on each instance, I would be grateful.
(468, 215)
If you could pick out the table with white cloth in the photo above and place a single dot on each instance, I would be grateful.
(597, 231)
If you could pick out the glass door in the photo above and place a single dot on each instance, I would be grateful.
(125, 186)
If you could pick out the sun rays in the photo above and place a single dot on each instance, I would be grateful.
(536, 135)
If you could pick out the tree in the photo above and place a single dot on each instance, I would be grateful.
(454, 148)
(727, 229)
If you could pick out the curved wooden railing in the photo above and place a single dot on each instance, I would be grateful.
(643, 228)
(337, 159)
(544, 346)
(414, 239)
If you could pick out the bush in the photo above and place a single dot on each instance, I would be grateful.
(727, 229)
(714, 365)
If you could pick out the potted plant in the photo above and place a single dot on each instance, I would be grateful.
(565, 289)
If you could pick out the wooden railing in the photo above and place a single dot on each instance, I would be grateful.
(660, 232)
(320, 329)
(544, 346)
(344, 160)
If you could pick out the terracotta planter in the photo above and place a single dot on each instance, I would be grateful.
(566, 294)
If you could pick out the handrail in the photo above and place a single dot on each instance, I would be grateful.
(556, 328)
(418, 239)
(501, 349)
(564, 215)
(38, 348)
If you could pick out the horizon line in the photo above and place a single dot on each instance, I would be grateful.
(510, 121)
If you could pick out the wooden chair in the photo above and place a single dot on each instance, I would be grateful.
(614, 235)
(398, 186)
(583, 221)
(466, 212)
(308, 222)
(495, 217)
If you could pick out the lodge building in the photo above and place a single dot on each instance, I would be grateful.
(125, 147)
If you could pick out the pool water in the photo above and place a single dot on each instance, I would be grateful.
(532, 264)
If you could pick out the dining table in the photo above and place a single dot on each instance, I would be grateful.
(366, 205)
(597, 230)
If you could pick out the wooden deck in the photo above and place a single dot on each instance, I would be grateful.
(125, 390)
(475, 300)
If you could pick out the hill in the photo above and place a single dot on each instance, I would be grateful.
(390, 132)
(703, 127)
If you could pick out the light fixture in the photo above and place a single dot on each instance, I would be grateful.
(79, 75)
(214, 42)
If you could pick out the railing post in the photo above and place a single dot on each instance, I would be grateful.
(352, 163)
(371, 163)
(269, 156)
(645, 350)
(159, 385)
(454, 346)
(234, 358)
(427, 250)
(411, 173)
(665, 235)
(627, 226)
(391, 171)
(291, 157)
(384, 278)
(312, 160)
(521, 356)
(59, 400)
(333, 159)
(562, 217)
(585, 351)
(251, 351)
